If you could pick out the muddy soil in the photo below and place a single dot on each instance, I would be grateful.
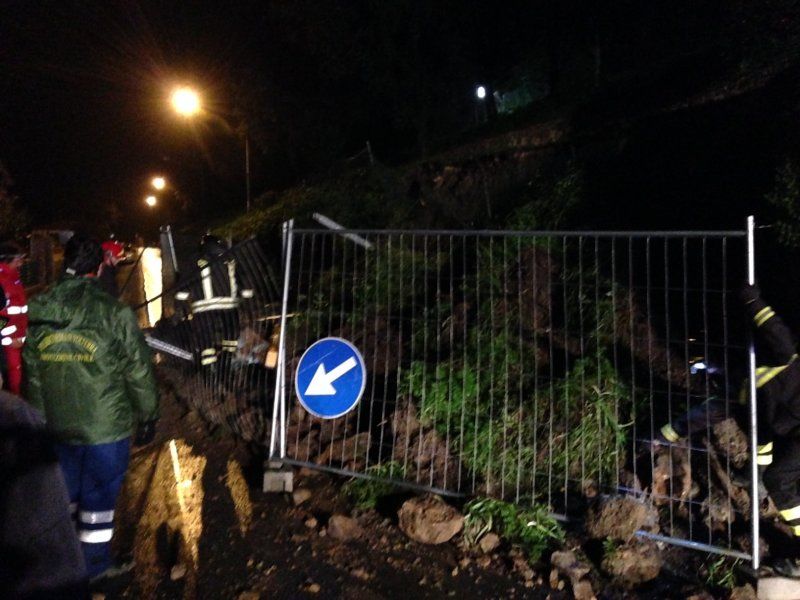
(193, 517)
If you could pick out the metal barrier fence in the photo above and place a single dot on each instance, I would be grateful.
(533, 367)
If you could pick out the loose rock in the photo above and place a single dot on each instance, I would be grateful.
(618, 518)
(300, 495)
(489, 542)
(177, 572)
(634, 563)
(344, 528)
(569, 565)
(429, 520)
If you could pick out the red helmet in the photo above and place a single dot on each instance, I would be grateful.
(116, 249)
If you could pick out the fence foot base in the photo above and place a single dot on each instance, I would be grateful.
(778, 588)
(277, 477)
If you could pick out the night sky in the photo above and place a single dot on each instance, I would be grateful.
(84, 93)
(85, 120)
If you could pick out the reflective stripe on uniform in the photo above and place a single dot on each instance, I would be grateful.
(669, 433)
(208, 361)
(17, 310)
(208, 289)
(8, 330)
(796, 530)
(790, 514)
(764, 315)
(766, 374)
(182, 296)
(208, 352)
(100, 516)
(247, 293)
(6, 341)
(765, 449)
(764, 459)
(214, 304)
(230, 345)
(96, 536)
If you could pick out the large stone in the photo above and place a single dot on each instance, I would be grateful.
(429, 520)
(633, 563)
(344, 528)
(618, 518)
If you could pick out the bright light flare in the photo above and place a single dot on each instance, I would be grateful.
(185, 101)
(480, 92)
(151, 201)
(158, 183)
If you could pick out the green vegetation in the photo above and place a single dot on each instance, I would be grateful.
(785, 201)
(533, 529)
(721, 572)
(365, 492)
(610, 547)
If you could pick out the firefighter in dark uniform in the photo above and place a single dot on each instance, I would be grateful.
(778, 411)
(214, 297)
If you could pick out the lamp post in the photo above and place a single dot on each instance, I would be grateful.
(186, 102)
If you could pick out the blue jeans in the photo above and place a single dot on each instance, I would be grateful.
(94, 475)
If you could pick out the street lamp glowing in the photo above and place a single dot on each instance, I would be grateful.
(158, 183)
(480, 92)
(150, 201)
(185, 101)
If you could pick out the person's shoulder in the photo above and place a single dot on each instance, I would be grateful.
(15, 411)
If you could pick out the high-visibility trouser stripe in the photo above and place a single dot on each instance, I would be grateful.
(100, 516)
(669, 433)
(208, 352)
(95, 536)
(208, 360)
(765, 448)
(230, 345)
(764, 315)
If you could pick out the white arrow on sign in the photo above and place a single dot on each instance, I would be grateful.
(321, 382)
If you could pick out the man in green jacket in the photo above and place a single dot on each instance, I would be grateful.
(89, 370)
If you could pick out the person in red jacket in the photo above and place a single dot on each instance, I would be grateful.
(14, 312)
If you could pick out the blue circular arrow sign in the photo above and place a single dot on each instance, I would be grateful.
(330, 378)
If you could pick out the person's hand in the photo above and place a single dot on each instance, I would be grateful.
(749, 293)
(145, 433)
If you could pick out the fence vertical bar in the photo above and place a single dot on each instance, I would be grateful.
(751, 351)
(279, 403)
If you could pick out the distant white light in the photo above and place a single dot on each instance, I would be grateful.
(699, 366)
(480, 92)
(159, 183)
(150, 201)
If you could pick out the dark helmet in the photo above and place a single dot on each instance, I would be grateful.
(212, 247)
(10, 250)
(82, 255)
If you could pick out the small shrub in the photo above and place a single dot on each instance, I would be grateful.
(721, 573)
(533, 529)
(365, 492)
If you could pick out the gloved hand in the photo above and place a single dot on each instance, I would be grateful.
(145, 433)
(749, 293)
